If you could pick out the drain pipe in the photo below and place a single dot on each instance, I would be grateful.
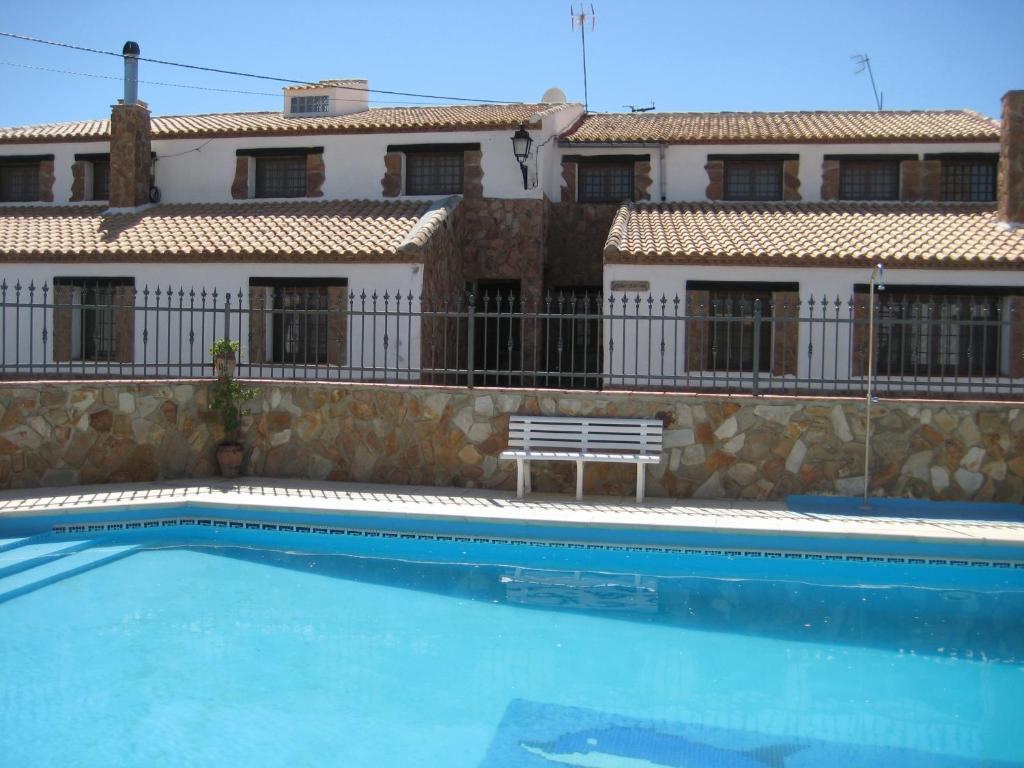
(877, 277)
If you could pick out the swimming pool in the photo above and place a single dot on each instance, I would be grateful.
(195, 637)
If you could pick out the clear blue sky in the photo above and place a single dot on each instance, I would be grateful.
(682, 54)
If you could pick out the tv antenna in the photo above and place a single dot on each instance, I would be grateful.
(634, 108)
(579, 19)
(864, 62)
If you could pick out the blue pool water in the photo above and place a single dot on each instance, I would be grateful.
(261, 648)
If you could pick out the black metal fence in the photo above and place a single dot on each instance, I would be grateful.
(949, 346)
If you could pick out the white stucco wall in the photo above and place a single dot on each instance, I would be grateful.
(22, 340)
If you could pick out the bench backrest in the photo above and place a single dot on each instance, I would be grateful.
(586, 435)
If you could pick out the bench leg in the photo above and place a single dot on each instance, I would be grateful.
(641, 477)
(519, 478)
(529, 477)
(579, 479)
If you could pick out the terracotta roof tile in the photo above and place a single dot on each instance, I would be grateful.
(778, 127)
(344, 230)
(932, 235)
(376, 120)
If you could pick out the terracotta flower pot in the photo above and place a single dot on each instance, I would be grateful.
(229, 457)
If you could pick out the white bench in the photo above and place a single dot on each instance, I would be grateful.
(581, 439)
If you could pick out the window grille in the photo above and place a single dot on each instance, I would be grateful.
(433, 173)
(732, 336)
(938, 335)
(101, 180)
(19, 182)
(281, 176)
(300, 325)
(605, 182)
(969, 180)
(310, 105)
(753, 179)
(94, 305)
(869, 180)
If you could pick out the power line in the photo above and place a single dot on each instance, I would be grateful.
(164, 62)
(183, 85)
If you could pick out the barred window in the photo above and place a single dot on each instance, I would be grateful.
(310, 105)
(433, 173)
(924, 333)
(281, 176)
(732, 332)
(869, 180)
(19, 182)
(88, 309)
(300, 325)
(101, 180)
(972, 180)
(753, 179)
(605, 182)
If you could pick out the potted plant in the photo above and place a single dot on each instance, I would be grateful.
(227, 402)
(224, 353)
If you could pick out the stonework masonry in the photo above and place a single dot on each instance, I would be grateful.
(1011, 159)
(130, 155)
(59, 434)
(830, 180)
(920, 180)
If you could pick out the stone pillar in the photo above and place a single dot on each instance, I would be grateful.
(62, 323)
(697, 339)
(472, 174)
(240, 184)
(1011, 159)
(830, 180)
(920, 180)
(569, 179)
(791, 181)
(257, 325)
(859, 336)
(785, 311)
(131, 161)
(1016, 336)
(315, 174)
(716, 179)
(78, 181)
(124, 323)
(642, 180)
(337, 325)
(391, 184)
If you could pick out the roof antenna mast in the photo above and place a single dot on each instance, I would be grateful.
(864, 62)
(580, 19)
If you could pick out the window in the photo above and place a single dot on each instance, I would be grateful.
(753, 179)
(93, 319)
(281, 176)
(100, 180)
(19, 181)
(433, 173)
(297, 321)
(605, 182)
(969, 178)
(938, 331)
(310, 105)
(733, 337)
(869, 179)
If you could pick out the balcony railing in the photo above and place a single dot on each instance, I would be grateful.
(959, 346)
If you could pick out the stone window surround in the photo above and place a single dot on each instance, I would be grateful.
(642, 181)
(715, 168)
(832, 171)
(784, 322)
(393, 183)
(82, 179)
(981, 157)
(121, 294)
(46, 176)
(243, 186)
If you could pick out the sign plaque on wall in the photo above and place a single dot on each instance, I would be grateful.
(631, 286)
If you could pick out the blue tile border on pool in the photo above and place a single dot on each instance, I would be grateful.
(975, 511)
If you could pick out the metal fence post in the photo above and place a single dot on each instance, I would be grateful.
(470, 334)
(757, 346)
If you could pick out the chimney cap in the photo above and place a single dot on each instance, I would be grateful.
(131, 48)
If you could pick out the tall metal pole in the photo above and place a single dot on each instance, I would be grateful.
(876, 275)
(583, 39)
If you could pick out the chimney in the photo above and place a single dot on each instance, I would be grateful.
(1011, 160)
(131, 163)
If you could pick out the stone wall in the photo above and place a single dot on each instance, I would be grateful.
(575, 243)
(56, 434)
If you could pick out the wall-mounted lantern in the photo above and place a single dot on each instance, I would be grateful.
(521, 143)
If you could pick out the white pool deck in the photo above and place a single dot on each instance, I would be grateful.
(308, 499)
